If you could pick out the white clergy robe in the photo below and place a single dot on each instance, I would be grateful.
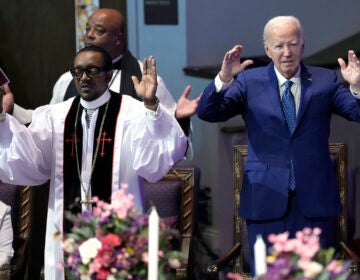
(146, 145)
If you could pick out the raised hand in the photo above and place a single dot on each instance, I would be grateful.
(8, 100)
(231, 65)
(351, 71)
(186, 107)
(146, 88)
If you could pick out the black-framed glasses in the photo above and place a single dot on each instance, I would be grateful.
(91, 71)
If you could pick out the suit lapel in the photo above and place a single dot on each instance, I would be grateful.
(306, 93)
(274, 95)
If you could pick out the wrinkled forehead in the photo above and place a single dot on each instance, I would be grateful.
(106, 20)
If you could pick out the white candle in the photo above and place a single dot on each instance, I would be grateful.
(260, 256)
(153, 250)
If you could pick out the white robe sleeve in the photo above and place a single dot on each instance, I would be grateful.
(23, 115)
(169, 103)
(158, 143)
(25, 153)
(6, 234)
(165, 96)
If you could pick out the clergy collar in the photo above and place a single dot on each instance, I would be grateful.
(97, 102)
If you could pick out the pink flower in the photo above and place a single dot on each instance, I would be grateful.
(335, 267)
(302, 258)
(111, 239)
(317, 231)
(102, 274)
(234, 276)
(145, 257)
(122, 203)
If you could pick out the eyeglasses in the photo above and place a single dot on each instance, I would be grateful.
(91, 71)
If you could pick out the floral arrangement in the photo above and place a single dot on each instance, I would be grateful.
(112, 243)
(302, 258)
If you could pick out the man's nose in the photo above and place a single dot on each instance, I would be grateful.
(84, 76)
(287, 50)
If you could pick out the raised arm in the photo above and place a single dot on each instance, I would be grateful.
(351, 71)
(231, 65)
(186, 107)
(146, 88)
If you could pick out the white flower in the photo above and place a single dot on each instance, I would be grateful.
(174, 263)
(89, 249)
(312, 270)
(69, 245)
(85, 277)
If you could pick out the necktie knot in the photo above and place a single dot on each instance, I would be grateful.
(288, 84)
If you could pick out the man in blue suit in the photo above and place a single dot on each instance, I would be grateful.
(289, 181)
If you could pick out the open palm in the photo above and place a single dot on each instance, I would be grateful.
(146, 88)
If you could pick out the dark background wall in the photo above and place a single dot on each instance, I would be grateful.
(37, 45)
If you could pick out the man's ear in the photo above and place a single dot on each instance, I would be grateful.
(119, 39)
(266, 47)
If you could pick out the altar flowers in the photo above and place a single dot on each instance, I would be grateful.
(112, 243)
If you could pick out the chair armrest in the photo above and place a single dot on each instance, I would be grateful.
(350, 253)
(181, 273)
(213, 269)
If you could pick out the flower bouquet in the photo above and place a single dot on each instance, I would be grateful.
(112, 243)
(302, 258)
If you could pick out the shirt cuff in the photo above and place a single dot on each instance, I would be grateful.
(220, 85)
(355, 94)
(153, 115)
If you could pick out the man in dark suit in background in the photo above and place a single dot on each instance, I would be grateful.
(289, 181)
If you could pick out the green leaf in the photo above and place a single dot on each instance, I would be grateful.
(324, 275)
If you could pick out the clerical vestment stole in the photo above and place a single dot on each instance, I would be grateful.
(102, 171)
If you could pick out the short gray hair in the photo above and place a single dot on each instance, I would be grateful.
(280, 20)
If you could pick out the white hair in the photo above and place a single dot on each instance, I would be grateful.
(279, 20)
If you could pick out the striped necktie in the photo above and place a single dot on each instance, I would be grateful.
(288, 103)
(88, 116)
